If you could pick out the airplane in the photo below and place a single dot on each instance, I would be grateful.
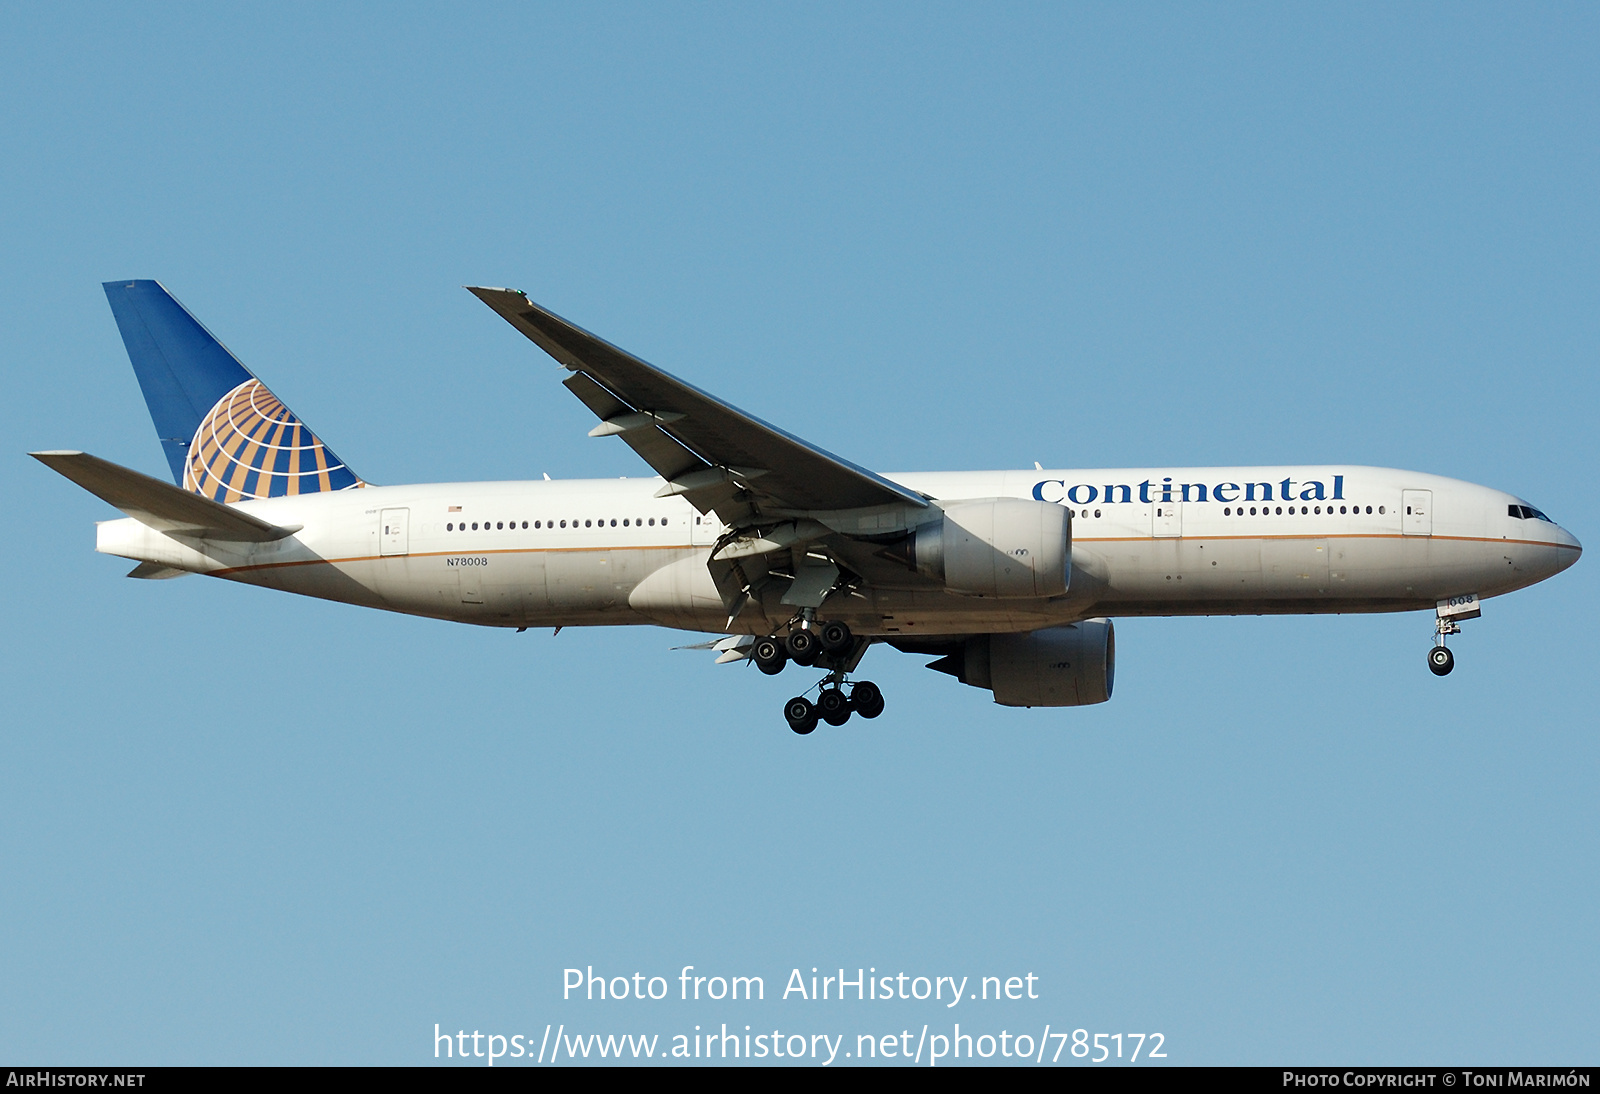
(788, 554)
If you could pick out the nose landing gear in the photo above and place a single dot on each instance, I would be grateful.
(1440, 659)
(1450, 614)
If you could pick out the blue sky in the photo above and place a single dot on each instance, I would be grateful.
(243, 827)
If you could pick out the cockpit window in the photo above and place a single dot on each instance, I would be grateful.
(1527, 512)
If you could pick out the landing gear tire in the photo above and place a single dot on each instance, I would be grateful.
(769, 655)
(835, 636)
(1441, 661)
(803, 647)
(800, 714)
(866, 699)
(833, 706)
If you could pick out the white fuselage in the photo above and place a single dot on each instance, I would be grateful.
(1190, 541)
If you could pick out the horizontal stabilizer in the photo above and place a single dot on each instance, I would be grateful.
(162, 506)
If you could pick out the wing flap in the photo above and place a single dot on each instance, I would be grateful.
(158, 504)
(669, 458)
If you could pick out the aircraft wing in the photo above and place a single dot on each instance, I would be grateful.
(717, 456)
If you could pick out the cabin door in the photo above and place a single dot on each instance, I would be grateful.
(1416, 512)
(393, 538)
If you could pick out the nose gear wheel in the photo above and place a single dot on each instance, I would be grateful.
(1441, 660)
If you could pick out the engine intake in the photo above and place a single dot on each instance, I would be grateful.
(1005, 548)
(1068, 666)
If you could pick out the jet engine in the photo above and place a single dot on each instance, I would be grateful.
(1067, 666)
(1007, 547)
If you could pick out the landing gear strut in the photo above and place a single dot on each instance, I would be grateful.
(1440, 659)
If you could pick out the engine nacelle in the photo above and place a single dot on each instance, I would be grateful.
(1067, 666)
(1007, 547)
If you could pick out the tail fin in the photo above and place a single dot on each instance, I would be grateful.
(226, 436)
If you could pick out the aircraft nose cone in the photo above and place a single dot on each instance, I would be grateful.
(1568, 557)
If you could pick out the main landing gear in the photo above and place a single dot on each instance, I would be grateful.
(805, 645)
(830, 646)
(833, 705)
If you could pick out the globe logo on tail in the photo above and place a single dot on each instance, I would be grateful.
(252, 446)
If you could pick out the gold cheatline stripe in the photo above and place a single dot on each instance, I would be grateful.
(445, 554)
(691, 546)
(1350, 535)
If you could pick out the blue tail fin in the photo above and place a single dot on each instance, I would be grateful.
(225, 435)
